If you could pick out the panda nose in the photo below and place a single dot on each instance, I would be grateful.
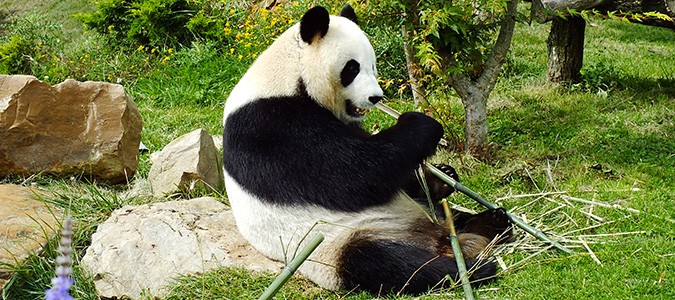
(374, 99)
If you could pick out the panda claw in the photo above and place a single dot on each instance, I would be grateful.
(448, 170)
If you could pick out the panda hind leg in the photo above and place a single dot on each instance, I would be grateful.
(382, 266)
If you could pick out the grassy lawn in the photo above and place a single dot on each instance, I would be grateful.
(593, 164)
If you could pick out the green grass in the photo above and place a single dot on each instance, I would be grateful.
(609, 138)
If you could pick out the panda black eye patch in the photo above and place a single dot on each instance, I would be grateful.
(349, 72)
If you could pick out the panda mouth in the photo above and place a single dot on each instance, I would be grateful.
(355, 111)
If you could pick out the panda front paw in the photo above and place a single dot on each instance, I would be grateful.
(448, 170)
(440, 189)
(421, 122)
(422, 130)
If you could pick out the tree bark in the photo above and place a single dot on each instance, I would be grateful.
(547, 10)
(476, 126)
(475, 93)
(565, 49)
(412, 65)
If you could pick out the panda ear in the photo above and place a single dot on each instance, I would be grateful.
(348, 12)
(314, 24)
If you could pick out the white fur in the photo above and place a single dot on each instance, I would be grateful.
(258, 221)
(277, 70)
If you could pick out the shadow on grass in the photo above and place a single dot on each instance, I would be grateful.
(620, 130)
(648, 88)
(634, 33)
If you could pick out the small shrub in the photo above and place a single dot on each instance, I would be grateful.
(142, 22)
(29, 42)
(597, 76)
(13, 56)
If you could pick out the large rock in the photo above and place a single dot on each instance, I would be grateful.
(24, 220)
(142, 248)
(187, 163)
(72, 128)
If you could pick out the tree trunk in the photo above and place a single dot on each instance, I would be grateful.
(475, 92)
(412, 66)
(476, 127)
(565, 49)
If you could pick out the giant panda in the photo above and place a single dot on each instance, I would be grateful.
(297, 163)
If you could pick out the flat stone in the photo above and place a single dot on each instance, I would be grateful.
(24, 220)
(141, 249)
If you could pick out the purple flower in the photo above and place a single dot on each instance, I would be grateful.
(62, 282)
(60, 287)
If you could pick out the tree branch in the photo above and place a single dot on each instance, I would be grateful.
(546, 10)
(494, 63)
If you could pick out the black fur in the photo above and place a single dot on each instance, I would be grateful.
(290, 150)
(314, 23)
(348, 12)
(490, 224)
(349, 72)
(386, 266)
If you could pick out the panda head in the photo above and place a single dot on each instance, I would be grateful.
(337, 63)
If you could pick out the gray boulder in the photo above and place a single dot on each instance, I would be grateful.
(140, 249)
(188, 163)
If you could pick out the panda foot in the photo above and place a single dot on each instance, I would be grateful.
(500, 223)
(493, 223)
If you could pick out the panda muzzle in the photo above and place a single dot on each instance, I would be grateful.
(354, 110)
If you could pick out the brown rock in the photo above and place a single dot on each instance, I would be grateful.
(72, 128)
(24, 220)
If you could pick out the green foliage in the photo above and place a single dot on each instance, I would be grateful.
(27, 42)
(463, 30)
(12, 57)
(388, 45)
(460, 28)
(613, 15)
(172, 23)
(144, 22)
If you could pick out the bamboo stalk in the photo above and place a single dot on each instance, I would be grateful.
(457, 251)
(459, 187)
(292, 266)
(617, 206)
(595, 258)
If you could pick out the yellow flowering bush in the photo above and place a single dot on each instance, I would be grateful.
(257, 30)
(233, 31)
